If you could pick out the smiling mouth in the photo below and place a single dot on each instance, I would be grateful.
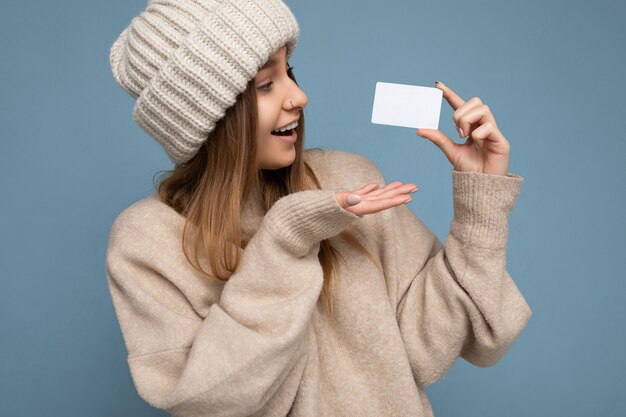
(285, 133)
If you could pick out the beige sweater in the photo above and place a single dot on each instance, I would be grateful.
(257, 344)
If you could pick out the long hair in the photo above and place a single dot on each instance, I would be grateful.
(211, 188)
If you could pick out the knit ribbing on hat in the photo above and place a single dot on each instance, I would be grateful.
(186, 62)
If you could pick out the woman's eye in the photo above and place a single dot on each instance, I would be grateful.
(265, 87)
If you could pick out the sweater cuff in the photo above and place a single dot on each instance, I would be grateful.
(482, 204)
(300, 220)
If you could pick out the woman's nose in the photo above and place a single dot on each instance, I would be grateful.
(298, 99)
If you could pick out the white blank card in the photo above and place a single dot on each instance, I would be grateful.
(407, 105)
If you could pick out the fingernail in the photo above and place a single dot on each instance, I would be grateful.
(460, 131)
(413, 190)
(353, 199)
(408, 201)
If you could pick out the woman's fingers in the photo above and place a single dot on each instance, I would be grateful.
(372, 199)
(390, 192)
(366, 189)
(472, 118)
(386, 188)
(384, 203)
(375, 206)
(351, 198)
(451, 97)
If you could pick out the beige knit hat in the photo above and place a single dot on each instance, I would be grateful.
(186, 61)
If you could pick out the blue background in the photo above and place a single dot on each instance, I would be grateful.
(551, 71)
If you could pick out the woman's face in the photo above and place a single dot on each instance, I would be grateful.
(274, 91)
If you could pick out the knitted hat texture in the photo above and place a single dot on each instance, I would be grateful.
(186, 61)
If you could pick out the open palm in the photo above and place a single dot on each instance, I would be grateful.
(372, 199)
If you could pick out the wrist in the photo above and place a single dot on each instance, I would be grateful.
(300, 220)
(482, 204)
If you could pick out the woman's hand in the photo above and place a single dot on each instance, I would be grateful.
(372, 199)
(486, 150)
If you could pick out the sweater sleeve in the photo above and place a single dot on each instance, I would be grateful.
(233, 361)
(455, 299)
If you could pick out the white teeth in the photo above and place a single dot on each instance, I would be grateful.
(288, 127)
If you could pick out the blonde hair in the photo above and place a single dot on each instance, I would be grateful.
(210, 189)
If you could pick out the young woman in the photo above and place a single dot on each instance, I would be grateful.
(266, 279)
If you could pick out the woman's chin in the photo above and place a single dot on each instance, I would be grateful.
(286, 158)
